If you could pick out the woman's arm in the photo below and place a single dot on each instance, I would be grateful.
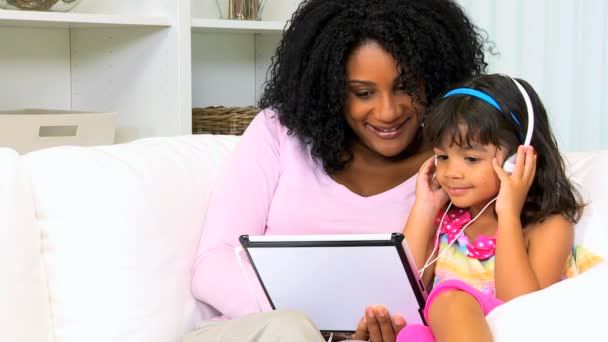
(239, 205)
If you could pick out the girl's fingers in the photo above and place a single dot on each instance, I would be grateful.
(500, 172)
(435, 184)
(426, 180)
(520, 161)
(530, 167)
(428, 166)
(528, 155)
(533, 169)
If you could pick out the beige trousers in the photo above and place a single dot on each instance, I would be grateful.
(274, 326)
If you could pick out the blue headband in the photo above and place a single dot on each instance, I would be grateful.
(475, 93)
(480, 95)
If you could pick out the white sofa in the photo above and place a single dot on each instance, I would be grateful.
(96, 244)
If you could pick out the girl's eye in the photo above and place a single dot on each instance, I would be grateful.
(442, 157)
(471, 159)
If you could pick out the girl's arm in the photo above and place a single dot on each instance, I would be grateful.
(523, 267)
(419, 234)
(420, 226)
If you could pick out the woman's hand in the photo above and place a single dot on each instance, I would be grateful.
(514, 188)
(428, 191)
(378, 326)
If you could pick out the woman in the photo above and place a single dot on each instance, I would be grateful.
(335, 151)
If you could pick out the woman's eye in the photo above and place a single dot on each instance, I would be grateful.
(363, 94)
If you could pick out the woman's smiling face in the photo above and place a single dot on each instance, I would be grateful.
(378, 108)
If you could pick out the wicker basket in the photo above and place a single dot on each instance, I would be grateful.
(222, 120)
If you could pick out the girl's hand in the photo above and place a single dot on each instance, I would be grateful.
(428, 191)
(514, 188)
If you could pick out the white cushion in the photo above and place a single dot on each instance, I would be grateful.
(24, 310)
(121, 225)
(589, 170)
(571, 310)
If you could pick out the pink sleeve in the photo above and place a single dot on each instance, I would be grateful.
(239, 205)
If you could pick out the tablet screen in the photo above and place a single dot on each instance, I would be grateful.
(334, 281)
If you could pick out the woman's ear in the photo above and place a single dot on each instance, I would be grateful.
(423, 119)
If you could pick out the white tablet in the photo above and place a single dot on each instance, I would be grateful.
(333, 278)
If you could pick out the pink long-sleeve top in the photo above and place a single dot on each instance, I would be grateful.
(271, 185)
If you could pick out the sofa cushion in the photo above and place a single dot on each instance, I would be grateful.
(121, 225)
(571, 310)
(24, 310)
(587, 170)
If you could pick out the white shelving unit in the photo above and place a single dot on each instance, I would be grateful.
(29, 19)
(230, 57)
(237, 26)
(150, 61)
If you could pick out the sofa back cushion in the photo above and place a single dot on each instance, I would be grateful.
(588, 171)
(24, 310)
(120, 227)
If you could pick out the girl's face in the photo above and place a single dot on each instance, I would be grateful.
(378, 109)
(466, 173)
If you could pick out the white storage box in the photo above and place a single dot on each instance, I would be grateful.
(32, 129)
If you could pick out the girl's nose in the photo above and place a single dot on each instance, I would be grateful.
(451, 169)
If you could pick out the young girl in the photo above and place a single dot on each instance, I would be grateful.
(483, 234)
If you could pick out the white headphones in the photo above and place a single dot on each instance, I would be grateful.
(509, 164)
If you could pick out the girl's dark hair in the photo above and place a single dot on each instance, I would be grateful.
(433, 39)
(551, 192)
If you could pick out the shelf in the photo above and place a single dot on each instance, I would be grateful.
(76, 20)
(237, 26)
(135, 58)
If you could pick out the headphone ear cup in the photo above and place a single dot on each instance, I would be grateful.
(509, 164)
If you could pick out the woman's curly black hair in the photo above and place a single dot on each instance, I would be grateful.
(433, 39)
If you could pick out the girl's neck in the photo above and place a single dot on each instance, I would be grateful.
(488, 212)
(486, 224)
